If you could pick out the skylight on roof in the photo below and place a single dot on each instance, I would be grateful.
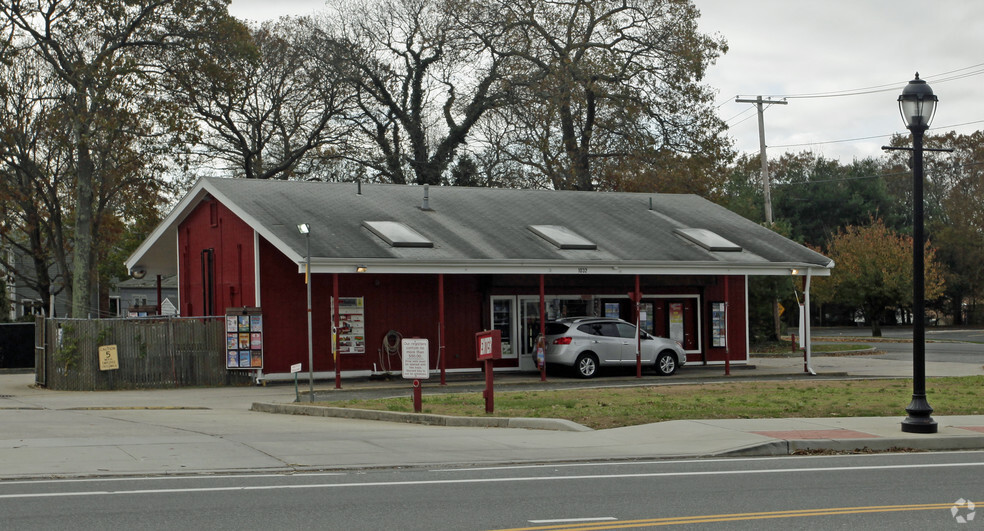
(397, 234)
(562, 237)
(708, 240)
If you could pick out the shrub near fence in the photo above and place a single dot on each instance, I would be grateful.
(153, 353)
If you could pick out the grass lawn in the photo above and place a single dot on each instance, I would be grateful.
(784, 349)
(614, 407)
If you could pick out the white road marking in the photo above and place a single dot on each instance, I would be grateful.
(574, 520)
(484, 480)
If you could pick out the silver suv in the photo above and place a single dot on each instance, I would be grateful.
(587, 343)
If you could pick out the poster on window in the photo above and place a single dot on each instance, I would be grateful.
(719, 326)
(351, 325)
(646, 316)
(676, 322)
(244, 338)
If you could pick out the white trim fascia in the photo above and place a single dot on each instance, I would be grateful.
(169, 224)
(256, 269)
(169, 227)
(554, 267)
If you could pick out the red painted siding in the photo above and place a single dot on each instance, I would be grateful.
(211, 226)
(405, 303)
(737, 331)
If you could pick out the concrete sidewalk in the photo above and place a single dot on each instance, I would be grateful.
(73, 434)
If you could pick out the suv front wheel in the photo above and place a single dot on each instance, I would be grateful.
(586, 365)
(666, 364)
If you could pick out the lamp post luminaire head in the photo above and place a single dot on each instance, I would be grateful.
(917, 104)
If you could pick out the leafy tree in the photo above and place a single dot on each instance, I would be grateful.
(957, 222)
(820, 196)
(609, 94)
(742, 191)
(107, 57)
(874, 272)
(465, 173)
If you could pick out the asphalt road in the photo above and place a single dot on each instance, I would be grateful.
(890, 491)
(901, 332)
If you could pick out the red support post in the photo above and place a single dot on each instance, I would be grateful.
(543, 331)
(416, 397)
(441, 351)
(489, 393)
(334, 331)
(727, 328)
(637, 299)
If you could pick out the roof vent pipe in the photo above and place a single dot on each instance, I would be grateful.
(359, 187)
(426, 205)
(650, 203)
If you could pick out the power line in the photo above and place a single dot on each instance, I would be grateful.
(869, 137)
(952, 75)
(866, 177)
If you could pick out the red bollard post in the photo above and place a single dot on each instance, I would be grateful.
(489, 393)
(416, 396)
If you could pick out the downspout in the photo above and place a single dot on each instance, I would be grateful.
(807, 334)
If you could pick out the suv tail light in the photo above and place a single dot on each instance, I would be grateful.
(566, 340)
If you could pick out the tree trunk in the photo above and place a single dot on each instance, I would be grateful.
(956, 302)
(876, 327)
(776, 321)
(82, 261)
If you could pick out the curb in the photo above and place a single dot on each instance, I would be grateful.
(797, 446)
(420, 418)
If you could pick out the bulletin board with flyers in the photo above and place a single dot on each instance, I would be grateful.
(351, 325)
(244, 338)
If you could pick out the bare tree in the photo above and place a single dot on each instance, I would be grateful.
(608, 84)
(33, 170)
(269, 107)
(424, 72)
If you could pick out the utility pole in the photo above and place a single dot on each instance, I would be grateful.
(759, 101)
(766, 191)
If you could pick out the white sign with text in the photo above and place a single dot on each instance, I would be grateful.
(416, 356)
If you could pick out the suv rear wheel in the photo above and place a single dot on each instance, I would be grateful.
(586, 365)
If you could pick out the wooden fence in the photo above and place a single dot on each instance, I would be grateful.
(152, 353)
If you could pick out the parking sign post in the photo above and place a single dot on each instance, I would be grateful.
(488, 347)
(416, 365)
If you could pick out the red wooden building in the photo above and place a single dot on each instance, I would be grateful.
(444, 263)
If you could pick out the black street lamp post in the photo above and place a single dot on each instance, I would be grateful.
(918, 105)
(305, 229)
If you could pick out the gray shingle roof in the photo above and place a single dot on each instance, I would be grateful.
(476, 229)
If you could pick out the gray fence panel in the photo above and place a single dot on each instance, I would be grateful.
(153, 353)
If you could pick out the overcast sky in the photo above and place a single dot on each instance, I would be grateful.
(781, 48)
